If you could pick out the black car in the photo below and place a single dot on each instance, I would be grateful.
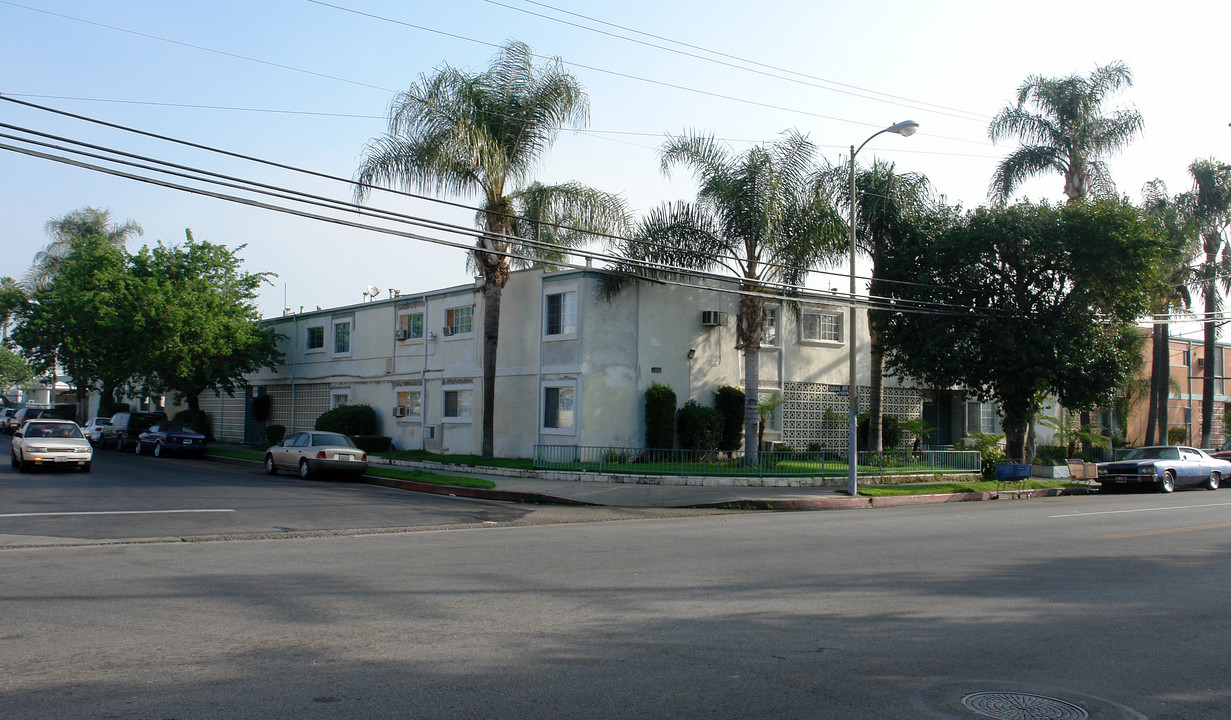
(171, 437)
(29, 413)
(126, 428)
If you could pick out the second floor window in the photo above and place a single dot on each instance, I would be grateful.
(412, 325)
(561, 314)
(821, 326)
(316, 338)
(769, 330)
(341, 337)
(458, 321)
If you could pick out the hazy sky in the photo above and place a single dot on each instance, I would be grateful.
(306, 84)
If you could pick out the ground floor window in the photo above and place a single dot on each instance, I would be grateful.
(457, 404)
(558, 407)
(412, 402)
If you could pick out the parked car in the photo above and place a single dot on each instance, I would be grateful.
(93, 429)
(29, 413)
(126, 427)
(1164, 467)
(48, 442)
(1223, 452)
(171, 437)
(316, 452)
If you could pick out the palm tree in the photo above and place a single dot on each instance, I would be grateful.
(758, 217)
(64, 230)
(1068, 132)
(1176, 273)
(1209, 206)
(887, 200)
(483, 134)
(11, 299)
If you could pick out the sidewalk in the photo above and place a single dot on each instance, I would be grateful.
(525, 489)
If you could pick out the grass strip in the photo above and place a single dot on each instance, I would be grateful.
(518, 463)
(432, 478)
(237, 454)
(947, 488)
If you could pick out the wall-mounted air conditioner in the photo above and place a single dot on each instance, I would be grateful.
(402, 334)
(711, 317)
(1200, 363)
(448, 330)
(429, 432)
(399, 411)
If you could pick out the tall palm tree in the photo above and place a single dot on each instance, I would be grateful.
(758, 217)
(64, 230)
(1067, 131)
(1209, 206)
(483, 135)
(887, 200)
(1183, 245)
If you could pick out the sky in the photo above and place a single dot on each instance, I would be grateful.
(307, 83)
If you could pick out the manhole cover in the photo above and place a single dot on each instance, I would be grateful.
(1022, 706)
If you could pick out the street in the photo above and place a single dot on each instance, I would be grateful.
(1115, 607)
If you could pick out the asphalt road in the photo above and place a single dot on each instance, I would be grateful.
(1115, 607)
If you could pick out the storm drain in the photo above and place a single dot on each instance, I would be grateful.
(1022, 706)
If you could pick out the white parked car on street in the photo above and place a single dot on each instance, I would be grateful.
(51, 443)
(94, 429)
(316, 452)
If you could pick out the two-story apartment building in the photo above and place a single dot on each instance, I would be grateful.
(573, 367)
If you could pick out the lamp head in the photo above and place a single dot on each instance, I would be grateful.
(906, 128)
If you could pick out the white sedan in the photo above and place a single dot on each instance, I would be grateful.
(316, 452)
(51, 443)
(93, 429)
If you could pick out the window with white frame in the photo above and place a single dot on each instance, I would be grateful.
(339, 398)
(459, 320)
(341, 337)
(315, 338)
(411, 325)
(457, 404)
(769, 328)
(821, 326)
(561, 314)
(559, 407)
(412, 401)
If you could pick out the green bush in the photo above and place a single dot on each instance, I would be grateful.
(203, 424)
(274, 434)
(349, 420)
(660, 417)
(1050, 455)
(1176, 435)
(891, 432)
(700, 427)
(374, 443)
(729, 401)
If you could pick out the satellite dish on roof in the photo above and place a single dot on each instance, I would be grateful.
(372, 291)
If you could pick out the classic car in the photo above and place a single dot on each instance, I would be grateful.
(1163, 467)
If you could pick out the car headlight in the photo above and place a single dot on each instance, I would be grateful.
(1147, 471)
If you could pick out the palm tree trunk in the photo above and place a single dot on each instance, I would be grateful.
(493, 291)
(875, 390)
(752, 399)
(1207, 384)
(1163, 359)
(1156, 380)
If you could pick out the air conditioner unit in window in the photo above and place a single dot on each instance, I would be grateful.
(399, 411)
(402, 334)
(1200, 363)
(449, 330)
(429, 432)
(711, 317)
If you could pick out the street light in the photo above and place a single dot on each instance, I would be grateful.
(905, 128)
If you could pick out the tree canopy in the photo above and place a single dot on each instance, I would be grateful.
(1014, 302)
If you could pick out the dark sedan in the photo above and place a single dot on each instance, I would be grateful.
(1163, 467)
(171, 437)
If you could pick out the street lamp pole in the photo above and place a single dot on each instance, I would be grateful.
(905, 128)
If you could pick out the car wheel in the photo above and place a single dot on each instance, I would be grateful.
(136, 448)
(1214, 481)
(85, 467)
(14, 456)
(157, 449)
(22, 465)
(270, 467)
(1167, 484)
(304, 471)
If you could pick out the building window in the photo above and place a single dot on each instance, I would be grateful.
(772, 423)
(316, 338)
(340, 399)
(821, 326)
(341, 337)
(457, 404)
(558, 407)
(561, 314)
(1186, 358)
(412, 400)
(458, 321)
(769, 330)
(411, 325)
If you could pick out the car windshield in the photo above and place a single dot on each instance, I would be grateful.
(1153, 453)
(174, 427)
(53, 430)
(331, 439)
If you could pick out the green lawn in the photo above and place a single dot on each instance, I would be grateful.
(518, 463)
(945, 488)
(811, 468)
(377, 470)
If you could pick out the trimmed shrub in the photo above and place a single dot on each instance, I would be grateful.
(729, 401)
(204, 426)
(374, 443)
(262, 406)
(349, 420)
(700, 427)
(1176, 435)
(891, 432)
(274, 434)
(660, 417)
(1050, 455)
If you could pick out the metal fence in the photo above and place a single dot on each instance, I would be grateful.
(640, 461)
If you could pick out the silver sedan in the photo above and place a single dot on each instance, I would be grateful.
(316, 452)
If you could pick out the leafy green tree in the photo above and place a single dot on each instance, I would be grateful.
(203, 331)
(484, 134)
(86, 222)
(1035, 299)
(887, 200)
(1063, 127)
(12, 299)
(758, 216)
(14, 370)
(1208, 205)
(659, 417)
